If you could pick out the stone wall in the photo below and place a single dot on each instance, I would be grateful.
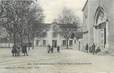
(89, 21)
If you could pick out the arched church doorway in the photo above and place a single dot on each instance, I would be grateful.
(101, 28)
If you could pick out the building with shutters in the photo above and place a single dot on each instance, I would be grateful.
(53, 36)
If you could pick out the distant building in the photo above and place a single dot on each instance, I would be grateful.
(52, 36)
(98, 20)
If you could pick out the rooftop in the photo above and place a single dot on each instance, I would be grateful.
(84, 5)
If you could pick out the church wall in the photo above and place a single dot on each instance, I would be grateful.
(108, 6)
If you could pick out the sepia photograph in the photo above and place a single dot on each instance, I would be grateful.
(56, 36)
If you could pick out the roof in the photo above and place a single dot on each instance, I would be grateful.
(85, 5)
(73, 26)
(44, 28)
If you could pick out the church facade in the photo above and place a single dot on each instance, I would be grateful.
(98, 20)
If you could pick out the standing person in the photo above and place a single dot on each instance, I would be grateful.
(18, 50)
(93, 48)
(86, 48)
(49, 47)
(58, 49)
(14, 50)
(52, 49)
(89, 49)
(98, 50)
(24, 50)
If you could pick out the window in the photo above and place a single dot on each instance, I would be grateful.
(64, 42)
(37, 42)
(44, 42)
(54, 43)
(99, 14)
(54, 34)
(70, 42)
(74, 41)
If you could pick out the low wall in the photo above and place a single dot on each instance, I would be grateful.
(6, 45)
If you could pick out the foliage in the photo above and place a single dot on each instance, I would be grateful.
(18, 17)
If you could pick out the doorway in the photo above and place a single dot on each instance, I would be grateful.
(54, 43)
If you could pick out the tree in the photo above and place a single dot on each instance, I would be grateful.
(17, 16)
(67, 16)
(70, 22)
(34, 19)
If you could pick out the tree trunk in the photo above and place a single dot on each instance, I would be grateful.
(14, 38)
(67, 44)
(21, 42)
(29, 42)
(79, 45)
(33, 41)
(9, 42)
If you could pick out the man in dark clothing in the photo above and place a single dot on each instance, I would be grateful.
(24, 50)
(14, 50)
(49, 47)
(58, 49)
(18, 50)
(93, 48)
(52, 49)
(86, 48)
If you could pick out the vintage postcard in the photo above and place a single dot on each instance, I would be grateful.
(56, 36)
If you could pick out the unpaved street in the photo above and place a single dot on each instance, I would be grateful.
(68, 61)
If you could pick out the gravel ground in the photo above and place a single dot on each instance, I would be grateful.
(67, 61)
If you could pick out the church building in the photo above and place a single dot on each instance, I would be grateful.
(98, 20)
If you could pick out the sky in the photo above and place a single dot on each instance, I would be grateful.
(52, 8)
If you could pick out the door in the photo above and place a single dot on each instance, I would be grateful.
(44, 42)
(54, 43)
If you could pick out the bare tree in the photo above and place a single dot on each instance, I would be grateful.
(71, 23)
(67, 16)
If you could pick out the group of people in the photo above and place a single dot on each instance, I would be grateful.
(16, 50)
(51, 49)
(92, 49)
